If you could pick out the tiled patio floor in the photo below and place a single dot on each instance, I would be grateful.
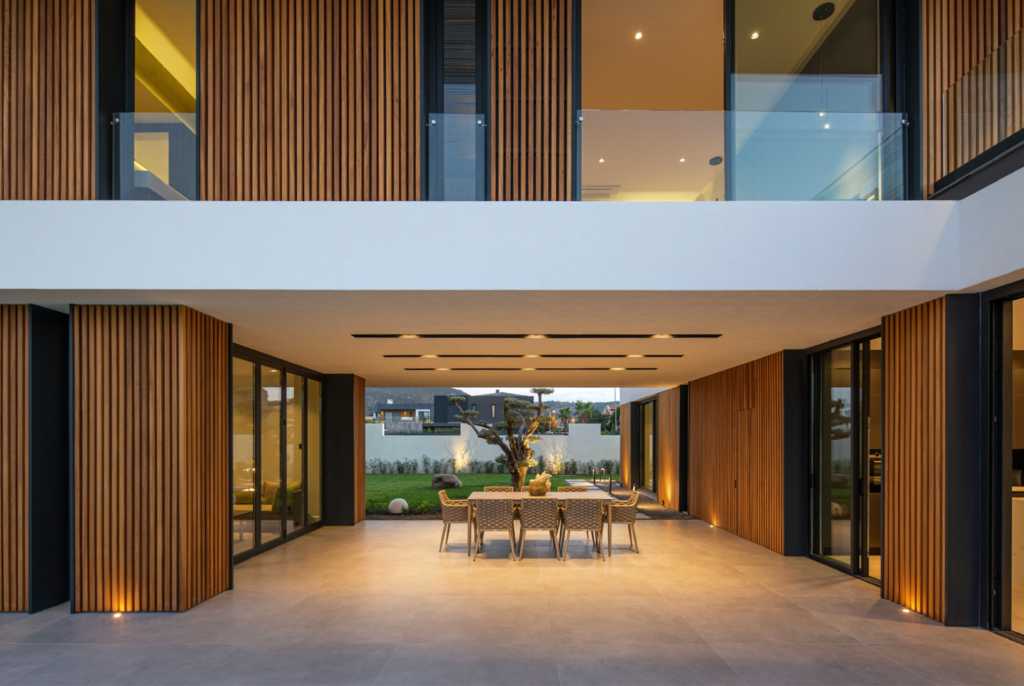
(377, 604)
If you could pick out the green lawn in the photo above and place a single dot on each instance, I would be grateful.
(415, 488)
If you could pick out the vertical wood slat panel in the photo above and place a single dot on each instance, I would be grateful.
(913, 556)
(531, 99)
(323, 98)
(14, 458)
(625, 445)
(736, 451)
(667, 485)
(47, 125)
(963, 118)
(150, 456)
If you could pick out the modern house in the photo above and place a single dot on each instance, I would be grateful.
(489, 405)
(647, 206)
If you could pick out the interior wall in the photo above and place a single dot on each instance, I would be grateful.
(47, 129)
(310, 101)
(151, 470)
(737, 451)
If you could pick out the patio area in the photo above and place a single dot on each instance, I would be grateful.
(377, 604)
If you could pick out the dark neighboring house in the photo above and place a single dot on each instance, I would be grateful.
(490, 407)
(416, 412)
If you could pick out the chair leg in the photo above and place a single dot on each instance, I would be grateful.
(632, 527)
(630, 530)
(444, 531)
(447, 533)
(553, 541)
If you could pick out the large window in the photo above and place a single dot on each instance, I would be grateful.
(847, 457)
(1010, 457)
(276, 487)
(649, 446)
(157, 139)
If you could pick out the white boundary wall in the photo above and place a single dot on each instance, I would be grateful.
(583, 444)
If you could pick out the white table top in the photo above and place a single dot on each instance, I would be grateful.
(498, 495)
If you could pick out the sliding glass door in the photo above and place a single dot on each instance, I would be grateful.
(649, 447)
(846, 469)
(276, 453)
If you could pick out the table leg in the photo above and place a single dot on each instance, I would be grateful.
(609, 530)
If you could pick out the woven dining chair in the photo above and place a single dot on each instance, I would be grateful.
(539, 514)
(582, 514)
(572, 489)
(453, 512)
(498, 489)
(625, 513)
(494, 515)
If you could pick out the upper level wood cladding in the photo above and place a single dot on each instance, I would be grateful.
(531, 99)
(151, 437)
(310, 100)
(914, 538)
(47, 118)
(14, 450)
(737, 451)
(964, 119)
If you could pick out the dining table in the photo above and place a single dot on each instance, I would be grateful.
(561, 496)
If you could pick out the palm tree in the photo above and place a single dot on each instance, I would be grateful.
(565, 416)
(584, 411)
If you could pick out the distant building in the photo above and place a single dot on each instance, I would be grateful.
(609, 410)
(490, 406)
(412, 412)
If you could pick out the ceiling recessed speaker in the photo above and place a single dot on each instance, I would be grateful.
(824, 11)
(715, 161)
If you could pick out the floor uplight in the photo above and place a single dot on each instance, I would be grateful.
(116, 615)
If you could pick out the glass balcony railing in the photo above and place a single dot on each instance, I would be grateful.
(155, 156)
(693, 156)
(456, 157)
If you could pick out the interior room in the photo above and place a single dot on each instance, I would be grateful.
(1016, 412)
(653, 96)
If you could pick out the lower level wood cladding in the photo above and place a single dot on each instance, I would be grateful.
(14, 458)
(150, 458)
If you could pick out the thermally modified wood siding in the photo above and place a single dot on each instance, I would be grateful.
(14, 450)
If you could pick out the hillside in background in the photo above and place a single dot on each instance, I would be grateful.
(377, 397)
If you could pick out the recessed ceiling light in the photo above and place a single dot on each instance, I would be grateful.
(827, 125)
(661, 335)
(531, 355)
(682, 159)
(529, 369)
(617, 369)
(428, 355)
(601, 160)
(539, 335)
(634, 355)
(755, 35)
(408, 335)
(442, 369)
(821, 114)
(639, 35)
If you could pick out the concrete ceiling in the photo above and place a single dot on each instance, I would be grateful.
(314, 328)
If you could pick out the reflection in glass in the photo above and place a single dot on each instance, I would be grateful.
(160, 138)
(293, 502)
(270, 454)
(649, 448)
(834, 471)
(1016, 411)
(313, 452)
(243, 487)
(873, 478)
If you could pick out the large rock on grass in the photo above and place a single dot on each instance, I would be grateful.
(445, 481)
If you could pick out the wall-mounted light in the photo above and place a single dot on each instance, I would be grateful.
(755, 35)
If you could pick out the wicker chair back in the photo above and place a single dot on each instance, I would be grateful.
(453, 511)
(494, 515)
(573, 489)
(583, 514)
(539, 513)
(625, 512)
(498, 489)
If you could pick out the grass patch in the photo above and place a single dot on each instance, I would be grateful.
(415, 489)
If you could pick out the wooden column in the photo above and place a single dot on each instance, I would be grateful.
(151, 472)
(742, 449)
(344, 449)
(626, 430)
(47, 129)
(931, 490)
(531, 99)
(34, 460)
(310, 100)
(670, 450)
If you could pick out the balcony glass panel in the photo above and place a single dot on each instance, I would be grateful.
(156, 156)
(687, 156)
(456, 156)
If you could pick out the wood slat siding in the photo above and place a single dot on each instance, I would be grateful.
(667, 484)
(913, 554)
(310, 100)
(47, 128)
(625, 445)
(531, 99)
(151, 453)
(14, 458)
(736, 451)
(359, 439)
(958, 36)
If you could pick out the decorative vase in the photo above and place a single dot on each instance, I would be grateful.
(539, 488)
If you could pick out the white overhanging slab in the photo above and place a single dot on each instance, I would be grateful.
(522, 246)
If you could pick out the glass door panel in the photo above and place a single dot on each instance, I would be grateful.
(313, 507)
(872, 544)
(294, 494)
(1015, 433)
(648, 465)
(243, 472)
(270, 454)
(833, 454)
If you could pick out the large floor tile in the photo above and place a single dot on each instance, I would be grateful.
(483, 664)
(644, 620)
(961, 663)
(756, 620)
(834, 664)
(341, 619)
(642, 665)
(479, 619)
(17, 659)
(316, 664)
